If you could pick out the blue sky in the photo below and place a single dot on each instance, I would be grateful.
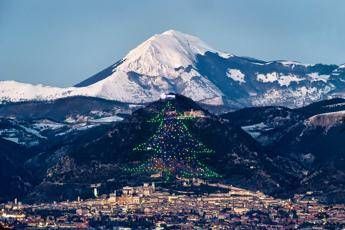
(62, 42)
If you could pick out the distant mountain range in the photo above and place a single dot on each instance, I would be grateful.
(183, 64)
(310, 137)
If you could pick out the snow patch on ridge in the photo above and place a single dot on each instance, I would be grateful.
(255, 130)
(283, 80)
(236, 75)
(293, 63)
(268, 78)
(316, 77)
(326, 120)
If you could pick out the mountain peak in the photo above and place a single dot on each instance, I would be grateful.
(172, 32)
(162, 53)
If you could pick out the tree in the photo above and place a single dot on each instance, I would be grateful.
(173, 151)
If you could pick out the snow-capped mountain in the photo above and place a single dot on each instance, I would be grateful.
(184, 64)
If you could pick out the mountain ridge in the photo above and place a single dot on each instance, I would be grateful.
(180, 63)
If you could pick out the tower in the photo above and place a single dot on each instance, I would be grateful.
(153, 186)
(95, 192)
(95, 189)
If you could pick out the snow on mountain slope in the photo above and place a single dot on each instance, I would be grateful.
(292, 63)
(17, 91)
(162, 54)
(326, 120)
(156, 66)
(163, 63)
(12, 91)
(236, 75)
(183, 64)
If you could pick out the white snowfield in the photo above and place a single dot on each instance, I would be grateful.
(326, 120)
(286, 80)
(289, 63)
(236, 75)
(317, 77)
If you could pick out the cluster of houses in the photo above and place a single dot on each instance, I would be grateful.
(161, 207)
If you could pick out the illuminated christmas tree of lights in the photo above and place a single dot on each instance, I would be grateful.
(173, 150)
